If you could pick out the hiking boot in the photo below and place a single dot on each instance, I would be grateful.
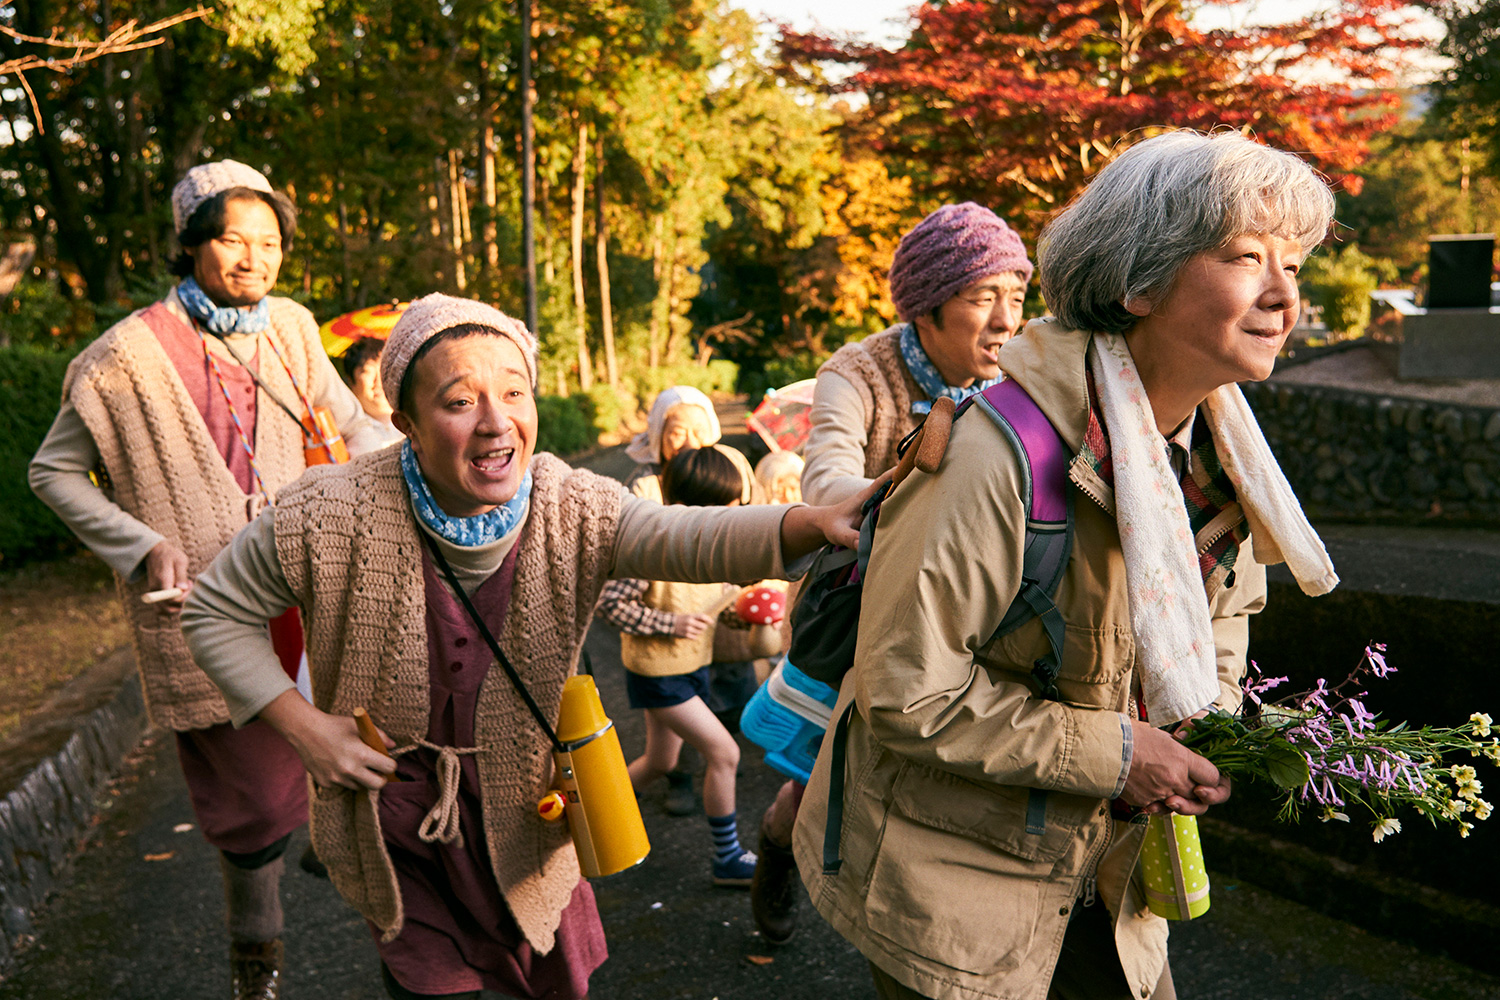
(737, 872)
(255, 970)
(774, 891)
(680, 798)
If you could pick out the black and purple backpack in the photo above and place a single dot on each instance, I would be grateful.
(825, 621)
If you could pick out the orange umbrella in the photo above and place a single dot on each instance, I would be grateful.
(339, 334)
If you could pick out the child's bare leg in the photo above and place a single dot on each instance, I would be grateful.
(662, 747)
(694, 722)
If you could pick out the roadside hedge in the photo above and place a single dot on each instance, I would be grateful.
(30, 391)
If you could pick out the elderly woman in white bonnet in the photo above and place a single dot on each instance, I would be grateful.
(681, 417)
(464, 885)
(987, 841)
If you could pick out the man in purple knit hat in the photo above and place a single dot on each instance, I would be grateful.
(958, 280)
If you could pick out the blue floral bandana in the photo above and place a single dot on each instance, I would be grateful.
(222, 320)
(926, 375)
(469, 532)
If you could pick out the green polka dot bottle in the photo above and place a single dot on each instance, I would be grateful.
(1173, 868)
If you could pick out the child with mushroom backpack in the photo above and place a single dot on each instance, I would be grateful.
(667, 642)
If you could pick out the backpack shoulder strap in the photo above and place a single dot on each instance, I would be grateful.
(1043, 457)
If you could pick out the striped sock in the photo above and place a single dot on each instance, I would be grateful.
(726, 838)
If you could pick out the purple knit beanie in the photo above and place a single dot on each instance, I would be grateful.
(949, 250)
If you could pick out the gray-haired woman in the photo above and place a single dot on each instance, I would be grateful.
(1172, 278)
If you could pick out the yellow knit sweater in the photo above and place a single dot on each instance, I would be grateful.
(165, 471)
(347, 543)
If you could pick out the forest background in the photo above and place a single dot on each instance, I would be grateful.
(717, 199)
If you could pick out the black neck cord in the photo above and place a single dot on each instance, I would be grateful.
(484, 630)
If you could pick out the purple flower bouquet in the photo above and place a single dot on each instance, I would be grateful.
(1324, 750)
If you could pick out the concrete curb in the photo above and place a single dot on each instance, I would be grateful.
(49, 811)
(1431, 919)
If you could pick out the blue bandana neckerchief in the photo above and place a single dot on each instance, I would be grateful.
(469, 532)
(926, 375)
(222, 320)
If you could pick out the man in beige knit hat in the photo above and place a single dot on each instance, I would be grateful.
(192, 409)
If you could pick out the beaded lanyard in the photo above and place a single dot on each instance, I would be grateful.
(307, 403)
(239, 428)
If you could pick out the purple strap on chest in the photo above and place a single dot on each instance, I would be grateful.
(1045, 449)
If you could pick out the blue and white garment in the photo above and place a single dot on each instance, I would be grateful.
(926, 375)
(469, 532)
(223, 320)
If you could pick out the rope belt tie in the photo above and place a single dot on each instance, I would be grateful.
(441, 822)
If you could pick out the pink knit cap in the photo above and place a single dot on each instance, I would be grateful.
(208, 179)
(948, 251)
(431, 315)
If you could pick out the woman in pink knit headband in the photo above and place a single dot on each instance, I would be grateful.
(465, 887)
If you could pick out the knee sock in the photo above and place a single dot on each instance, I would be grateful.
(726, 838)
(252, 901)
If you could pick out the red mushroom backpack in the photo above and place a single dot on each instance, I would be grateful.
(825, 621)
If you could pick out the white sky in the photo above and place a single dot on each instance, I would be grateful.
(883, 20)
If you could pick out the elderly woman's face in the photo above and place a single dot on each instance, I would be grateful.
(471, 418)
(684, 426)
(1228, 313)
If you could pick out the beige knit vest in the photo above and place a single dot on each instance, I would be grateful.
(667, 655)
(165, 471)
(348, 545)
(875, 369)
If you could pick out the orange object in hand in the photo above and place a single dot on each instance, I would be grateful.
(551, 807)
(370, 737)
(322, 444)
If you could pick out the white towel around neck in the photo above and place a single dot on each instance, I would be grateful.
(1169, 612)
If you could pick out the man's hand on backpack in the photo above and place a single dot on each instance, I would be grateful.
(1166, 776)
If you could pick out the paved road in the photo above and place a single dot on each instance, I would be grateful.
(142, 918)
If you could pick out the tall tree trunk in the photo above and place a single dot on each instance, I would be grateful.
(448, 227)
(458, 208)
(653, 332)
(549, 247)
(491, 235)
(601, 257)
(580, 166)
(528, 169)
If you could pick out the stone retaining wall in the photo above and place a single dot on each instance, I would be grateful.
(49, 811)
(1359, 456)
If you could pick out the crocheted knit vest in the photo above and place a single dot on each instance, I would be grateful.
(875, 369)
(667, 655)
(166, 471)
(347, 542)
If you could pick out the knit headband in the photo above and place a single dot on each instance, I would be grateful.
(208, 179)
(431, 315)
(948, 251)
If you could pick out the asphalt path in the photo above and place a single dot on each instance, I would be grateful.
(142, 916)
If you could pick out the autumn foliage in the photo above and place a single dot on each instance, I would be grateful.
(1017, 103)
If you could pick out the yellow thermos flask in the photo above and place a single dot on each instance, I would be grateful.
(594, 786)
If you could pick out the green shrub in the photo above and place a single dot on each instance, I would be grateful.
(716, 376)
(1341, 282)
(610, 407)
(565, 424)
(30, 390)
(779, 372)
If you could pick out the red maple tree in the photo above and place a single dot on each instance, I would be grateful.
(1017, 103)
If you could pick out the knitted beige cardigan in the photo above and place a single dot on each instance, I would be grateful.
(875, 369)
(165, 471)
(348, 546)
